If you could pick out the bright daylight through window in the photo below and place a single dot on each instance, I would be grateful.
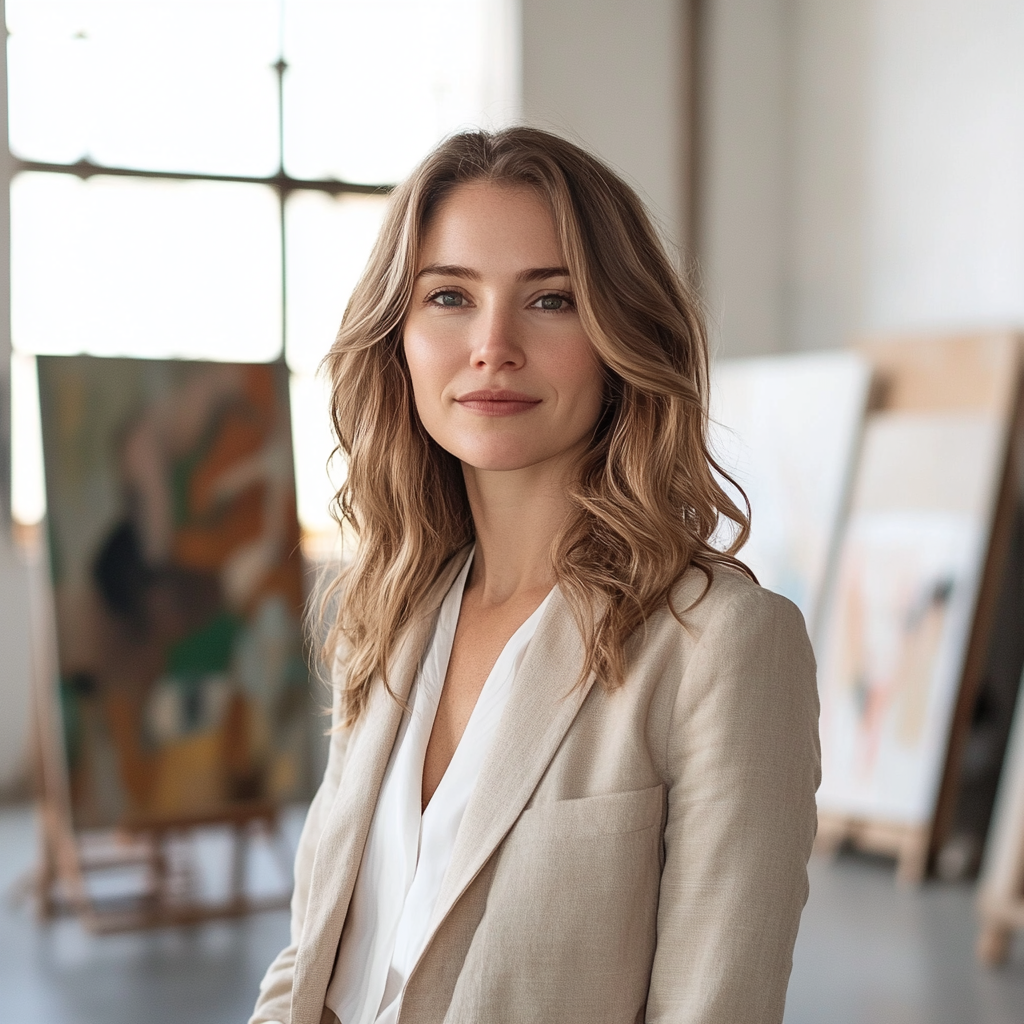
(204, 179)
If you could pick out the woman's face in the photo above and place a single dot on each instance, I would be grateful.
(503, 375)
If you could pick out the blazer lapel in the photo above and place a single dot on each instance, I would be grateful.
(340, 850)
(541, 707)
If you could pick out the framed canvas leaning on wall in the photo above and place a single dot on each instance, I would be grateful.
(907, 626)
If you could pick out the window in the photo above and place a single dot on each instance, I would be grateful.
(204, 178)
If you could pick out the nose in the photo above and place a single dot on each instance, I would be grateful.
(496, 343)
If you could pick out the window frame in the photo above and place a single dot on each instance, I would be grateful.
(281, 183)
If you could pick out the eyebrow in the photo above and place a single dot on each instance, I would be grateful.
(468, 274)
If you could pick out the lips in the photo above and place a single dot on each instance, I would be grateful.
(497, 403)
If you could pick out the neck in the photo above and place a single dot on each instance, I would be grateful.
(517, 516)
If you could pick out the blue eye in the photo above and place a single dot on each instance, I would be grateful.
(447, 299)
(552, 302)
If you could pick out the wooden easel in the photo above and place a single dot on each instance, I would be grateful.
(1001, 894)
(68, 858)
(956, 374)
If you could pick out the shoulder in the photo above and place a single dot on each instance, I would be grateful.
(736, 676)
(730, 607)
(730, 645)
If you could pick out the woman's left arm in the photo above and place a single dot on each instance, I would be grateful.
(743, 763)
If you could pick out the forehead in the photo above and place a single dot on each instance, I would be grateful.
(493, 225)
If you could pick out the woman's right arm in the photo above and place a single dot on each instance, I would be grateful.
(275, 999)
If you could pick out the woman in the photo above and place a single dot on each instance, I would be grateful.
(573, 771)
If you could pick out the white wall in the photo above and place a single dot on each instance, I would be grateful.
(945, 170)
(611, 74)
(741, 171)
(863, 168)
(823, 256)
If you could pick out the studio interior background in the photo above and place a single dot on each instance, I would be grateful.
(191, 189)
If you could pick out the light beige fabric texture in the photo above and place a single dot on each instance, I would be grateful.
(630, 855)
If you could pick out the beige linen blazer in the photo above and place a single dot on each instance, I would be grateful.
(630, 855)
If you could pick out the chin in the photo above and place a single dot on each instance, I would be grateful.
(498, 465)
(492, 459)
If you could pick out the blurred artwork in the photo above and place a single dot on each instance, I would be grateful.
(787, 429)
(177, 584)
(898, 625)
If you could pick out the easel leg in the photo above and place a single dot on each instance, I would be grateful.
(913, 858)
(46, 876)
(239, 860)
(994, 944)
(157, 869)
(279, 848)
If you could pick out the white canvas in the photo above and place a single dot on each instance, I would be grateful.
(899, 619)
(786, 428)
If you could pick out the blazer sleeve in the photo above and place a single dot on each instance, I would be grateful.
(274, 1003)
(743, 764)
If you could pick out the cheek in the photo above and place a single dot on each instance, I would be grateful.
(415, 361)
(426, 369)
(581, 378)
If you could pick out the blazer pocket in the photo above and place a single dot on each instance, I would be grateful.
(569, 926)
(606, 814)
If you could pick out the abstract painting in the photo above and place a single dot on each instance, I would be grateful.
(899, 619)
(173, 544)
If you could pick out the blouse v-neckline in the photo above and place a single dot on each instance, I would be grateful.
(409, 846)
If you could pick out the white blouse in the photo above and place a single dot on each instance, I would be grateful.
(407, 853)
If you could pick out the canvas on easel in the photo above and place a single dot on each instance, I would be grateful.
(180, 685)
(909, 615)
(787, 429)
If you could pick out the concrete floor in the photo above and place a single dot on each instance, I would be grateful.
(872, 952)
(868, 953)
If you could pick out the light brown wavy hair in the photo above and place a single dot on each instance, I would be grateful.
(645, 500)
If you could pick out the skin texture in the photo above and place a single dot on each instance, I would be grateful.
(506, 380)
